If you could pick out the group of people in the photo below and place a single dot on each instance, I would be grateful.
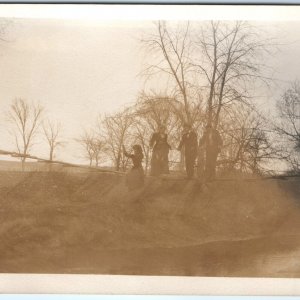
(205, 151)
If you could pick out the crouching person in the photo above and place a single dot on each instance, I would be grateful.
(135, 177)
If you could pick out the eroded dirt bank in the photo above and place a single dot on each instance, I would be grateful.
(90, 223)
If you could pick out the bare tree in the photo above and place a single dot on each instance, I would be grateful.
(153, 110)
(99, 148)
(94, 148)
(220, 61)
(247, 141)
(230, 60)
(114, 130)
(52, 133)
(173, 47)
(289, 126)
(25, 119)
(86, 141)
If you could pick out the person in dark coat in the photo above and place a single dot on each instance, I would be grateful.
(135, 177)
(211, 142)
(160, 152)
(190, 144)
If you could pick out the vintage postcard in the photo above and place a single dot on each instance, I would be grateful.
(150, 140)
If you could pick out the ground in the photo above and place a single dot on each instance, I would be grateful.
(56, 222)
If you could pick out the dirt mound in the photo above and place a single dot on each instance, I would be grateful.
(57, 218)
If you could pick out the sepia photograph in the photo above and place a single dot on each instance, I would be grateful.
(150, 140)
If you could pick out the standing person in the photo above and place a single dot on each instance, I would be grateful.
(160, 153)
(190, 144)
(212, 143)
(135, 177)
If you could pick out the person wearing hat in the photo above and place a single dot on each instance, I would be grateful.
(160, 153)
(190, 145)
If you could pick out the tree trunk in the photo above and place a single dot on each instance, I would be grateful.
(182, 160)
(23, 163)
(51, 155)
(51, 159)
(118, 161)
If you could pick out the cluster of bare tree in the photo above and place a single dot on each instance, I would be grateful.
(26, 119)
(212, 69)
(208, 72)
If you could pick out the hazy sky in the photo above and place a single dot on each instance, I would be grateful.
(75, 71)
(79, 68)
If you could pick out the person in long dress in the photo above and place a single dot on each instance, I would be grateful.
(135, 177)
(160, 153)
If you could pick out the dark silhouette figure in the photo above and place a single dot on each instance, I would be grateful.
(201, 159)
(190, 144)
(135, 177)
(211, 142)
(160, 153)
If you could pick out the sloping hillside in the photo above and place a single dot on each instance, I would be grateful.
(90, 223)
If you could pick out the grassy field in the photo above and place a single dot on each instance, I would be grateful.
(56, 222)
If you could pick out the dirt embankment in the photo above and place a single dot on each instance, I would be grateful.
(90, 223)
